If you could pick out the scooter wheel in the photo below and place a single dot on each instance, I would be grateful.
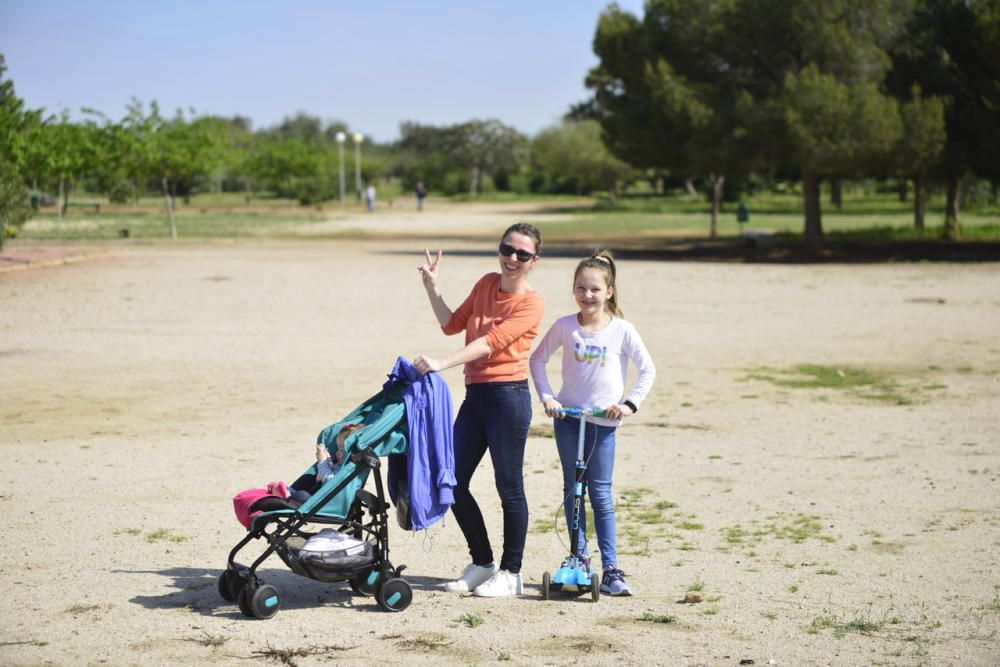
(546, 583)
(595, 586)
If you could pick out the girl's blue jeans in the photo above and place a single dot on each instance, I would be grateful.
(599, 448)
(494, 417)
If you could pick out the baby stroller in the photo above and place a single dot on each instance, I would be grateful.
(340, 502)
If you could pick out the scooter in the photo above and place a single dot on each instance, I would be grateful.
(573, 577)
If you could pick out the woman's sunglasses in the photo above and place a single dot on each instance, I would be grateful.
(508, 250)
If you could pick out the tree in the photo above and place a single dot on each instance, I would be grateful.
(14, 121)
(573, 157)
(812, 72)
(834, 129)
(951, 50)
(663, 95)
(169, 151)
(920, 146)
(489, 145)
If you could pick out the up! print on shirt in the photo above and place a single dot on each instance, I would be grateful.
(590, 354)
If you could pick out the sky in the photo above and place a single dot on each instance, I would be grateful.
(371, 64)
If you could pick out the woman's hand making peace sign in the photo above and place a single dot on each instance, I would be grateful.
(429, 270)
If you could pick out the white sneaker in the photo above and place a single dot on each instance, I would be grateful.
(501, 584)
(472, 576)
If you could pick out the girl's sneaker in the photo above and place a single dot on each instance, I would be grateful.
(473, 575)
(613, 582)
(501, 584)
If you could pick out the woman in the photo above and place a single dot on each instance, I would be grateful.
(500, 318)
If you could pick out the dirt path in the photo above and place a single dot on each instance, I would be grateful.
(142, 389)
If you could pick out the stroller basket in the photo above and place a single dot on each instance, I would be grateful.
(327, 566)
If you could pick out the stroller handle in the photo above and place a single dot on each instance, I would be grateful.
(580, 412)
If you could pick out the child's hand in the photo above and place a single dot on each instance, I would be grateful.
(321, 453)
(551, 406)
(618, 412)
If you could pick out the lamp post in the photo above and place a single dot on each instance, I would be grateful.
(358, 138)
(340, 144)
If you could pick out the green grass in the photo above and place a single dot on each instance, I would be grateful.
(165, 534)
(650, 617)
(863, 626)
(471, 620)
(864, 218)
(860, 382)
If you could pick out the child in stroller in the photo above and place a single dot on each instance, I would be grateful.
(380, 427)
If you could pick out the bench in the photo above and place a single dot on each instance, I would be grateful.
(83, 204)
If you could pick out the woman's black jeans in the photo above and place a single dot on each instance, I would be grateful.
(494, 416)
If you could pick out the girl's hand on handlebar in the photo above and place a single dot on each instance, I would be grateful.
(551, 406)
(618, 412)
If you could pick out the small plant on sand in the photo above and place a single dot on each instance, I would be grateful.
(471, 620)
(650, 617)
(697, 586)
(864, 626)
(165, 534)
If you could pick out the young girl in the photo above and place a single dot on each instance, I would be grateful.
(596, 347)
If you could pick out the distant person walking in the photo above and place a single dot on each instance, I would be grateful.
(421, 195)
(370, 197)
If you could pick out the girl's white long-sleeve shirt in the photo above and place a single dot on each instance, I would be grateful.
(594, 365)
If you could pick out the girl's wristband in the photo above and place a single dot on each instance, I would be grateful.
(631, 405)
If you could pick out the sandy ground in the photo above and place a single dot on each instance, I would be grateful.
(141, 389)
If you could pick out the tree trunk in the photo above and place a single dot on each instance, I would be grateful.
(919, 202)
(170, 208)
(473, 180)
(715, 182)
(62, 201)
(135, 196)
(689, 186)
(837, 193)
(952, 227)
(814, 221)
(902, 189)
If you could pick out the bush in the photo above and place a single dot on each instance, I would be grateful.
(14, 208)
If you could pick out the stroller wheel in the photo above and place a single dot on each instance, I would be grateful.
(595, 586)
(243, 600)
(546, 583)
(395, 595)
(236, 584)
(224, 591)
(366, 584)
(265, 602)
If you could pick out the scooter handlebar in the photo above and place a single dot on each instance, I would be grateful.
(578, 412)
